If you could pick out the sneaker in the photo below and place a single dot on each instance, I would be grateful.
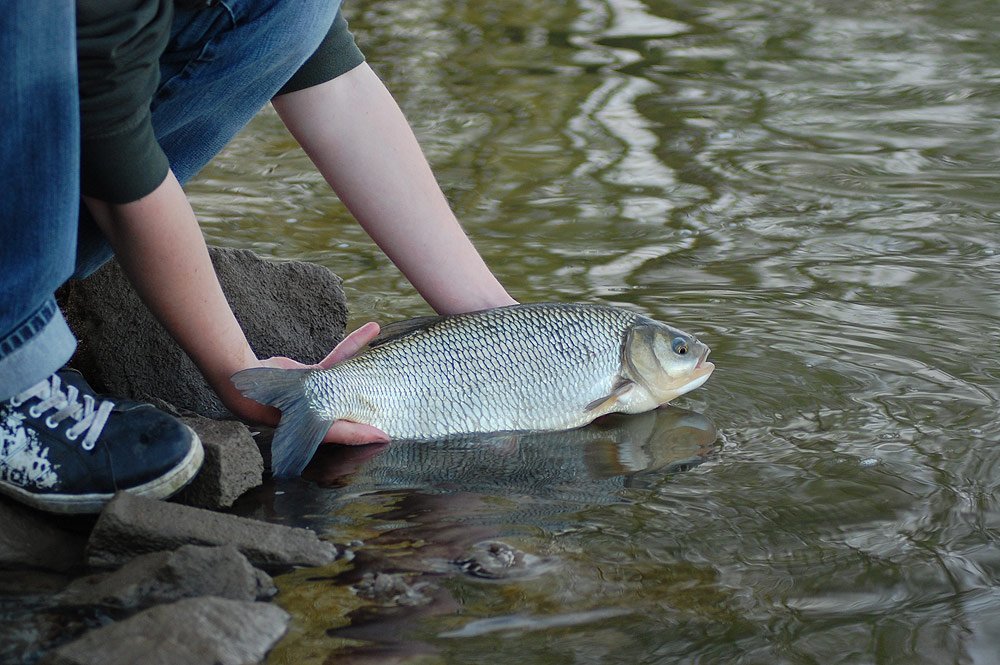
(64, 449)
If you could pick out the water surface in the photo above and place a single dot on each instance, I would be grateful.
(809, 186)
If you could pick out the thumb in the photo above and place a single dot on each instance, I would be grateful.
(351, 344)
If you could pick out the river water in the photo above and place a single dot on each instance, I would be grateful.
(810, 186)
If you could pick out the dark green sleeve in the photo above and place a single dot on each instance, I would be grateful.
(336, 55)
(119, 43)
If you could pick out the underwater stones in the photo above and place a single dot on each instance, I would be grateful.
(492, 559)
(392, 589)
(287, 308)
(193, 630)
(131, 525)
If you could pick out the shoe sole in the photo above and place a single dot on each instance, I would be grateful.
(163, 487)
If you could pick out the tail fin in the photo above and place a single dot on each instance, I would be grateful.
(302, 427)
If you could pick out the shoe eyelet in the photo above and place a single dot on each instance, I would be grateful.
(34, 412)
(15, 402)
(88, 445)
(70, 434)
(50, 424)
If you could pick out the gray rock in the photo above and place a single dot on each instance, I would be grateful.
(194, 630)
(164, 577)
(131, 525)
(393, 589)
(233, 464)
(30, 539)
(290, 308)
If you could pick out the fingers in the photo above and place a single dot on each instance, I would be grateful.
(282, 363)
(351, 433)
(351, 344)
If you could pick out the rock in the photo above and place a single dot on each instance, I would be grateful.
(289, 308)
(233, 464)
(131, 525)
(164, 577)
(194, 630)
(31, 539)
(392, 589)
(492, 559)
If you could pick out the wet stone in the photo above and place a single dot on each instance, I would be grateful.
(392, 589)
(493, 559)
(164, 577)
(193, 630)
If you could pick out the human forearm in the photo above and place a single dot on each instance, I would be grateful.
(160, 247)
(357, 136)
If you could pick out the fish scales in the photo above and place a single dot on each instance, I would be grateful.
(518, 369)
(539, 367)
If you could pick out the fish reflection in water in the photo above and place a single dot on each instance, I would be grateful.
(452, 507)
(586, 465)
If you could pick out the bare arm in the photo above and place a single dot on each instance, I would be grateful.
(159, 245)
(355, 133)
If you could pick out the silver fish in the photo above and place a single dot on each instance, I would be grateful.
(546, 366)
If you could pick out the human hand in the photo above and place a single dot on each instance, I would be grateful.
(342, 431)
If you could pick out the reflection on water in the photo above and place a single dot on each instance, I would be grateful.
(809, 186)
(593, 462)
(450, 508)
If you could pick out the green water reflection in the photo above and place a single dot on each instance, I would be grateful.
(808, 185)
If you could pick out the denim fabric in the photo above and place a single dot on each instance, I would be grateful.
(222, 65)
(39, 172)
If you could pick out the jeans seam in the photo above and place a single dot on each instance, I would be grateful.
(24, 332)
(205, 55)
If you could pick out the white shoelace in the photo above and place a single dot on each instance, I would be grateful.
(88, 419)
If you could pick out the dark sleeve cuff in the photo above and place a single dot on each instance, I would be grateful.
(336, 55)
(123, 167)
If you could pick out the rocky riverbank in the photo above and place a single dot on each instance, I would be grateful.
(179, 581)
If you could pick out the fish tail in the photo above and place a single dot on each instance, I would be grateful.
(302, 426)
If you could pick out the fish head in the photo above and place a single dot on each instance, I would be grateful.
(667, 362)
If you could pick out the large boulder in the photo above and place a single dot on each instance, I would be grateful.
(287, 308)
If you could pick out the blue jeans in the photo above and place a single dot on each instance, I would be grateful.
(221, 66)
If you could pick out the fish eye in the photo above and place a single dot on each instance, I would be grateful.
(680, 346)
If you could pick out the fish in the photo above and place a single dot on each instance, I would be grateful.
(527, 367)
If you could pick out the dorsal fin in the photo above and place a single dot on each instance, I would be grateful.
(397, 329)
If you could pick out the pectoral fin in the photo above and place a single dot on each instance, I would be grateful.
(604, 404)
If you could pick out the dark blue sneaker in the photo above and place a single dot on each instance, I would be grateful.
(64, 449)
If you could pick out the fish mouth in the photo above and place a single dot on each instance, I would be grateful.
(703, 367)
